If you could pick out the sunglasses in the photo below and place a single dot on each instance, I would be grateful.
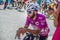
(29, 12)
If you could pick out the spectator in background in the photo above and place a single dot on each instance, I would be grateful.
(56, 35)
(0, 2)
(12, 2)
(39, 2)
(32, 2)
(6, 3)
(47, 2)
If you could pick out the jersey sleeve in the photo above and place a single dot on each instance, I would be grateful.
(27, 21)
(45, 22)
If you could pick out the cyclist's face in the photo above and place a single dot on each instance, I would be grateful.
(32, 14)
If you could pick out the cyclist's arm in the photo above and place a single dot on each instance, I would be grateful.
(36, 32)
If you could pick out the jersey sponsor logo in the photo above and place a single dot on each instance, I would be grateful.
(37, 23)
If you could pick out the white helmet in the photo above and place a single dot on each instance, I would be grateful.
(32, 7)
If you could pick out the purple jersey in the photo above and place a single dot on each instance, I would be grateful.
(40, 22)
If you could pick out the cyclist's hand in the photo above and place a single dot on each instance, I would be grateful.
(20, 31)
